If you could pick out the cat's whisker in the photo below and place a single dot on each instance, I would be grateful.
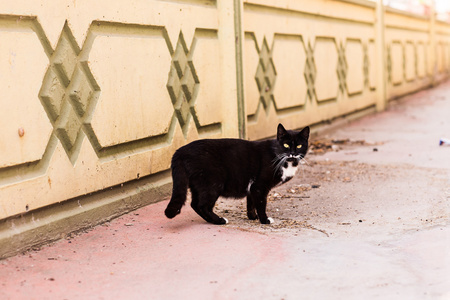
(278, 157)
(301, 171)
(275, 160)
(304, 161)
(279, 162)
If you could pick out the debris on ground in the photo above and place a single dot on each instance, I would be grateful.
(444, 142)
(322, 146)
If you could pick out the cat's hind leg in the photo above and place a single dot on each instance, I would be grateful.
(194, 202)
(203, 204)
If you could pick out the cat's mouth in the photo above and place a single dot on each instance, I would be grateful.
(292, 159)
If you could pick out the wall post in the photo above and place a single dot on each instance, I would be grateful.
(380, 56)
(433, 58)
(239, 35)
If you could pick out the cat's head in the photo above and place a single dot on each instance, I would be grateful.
(294, 144)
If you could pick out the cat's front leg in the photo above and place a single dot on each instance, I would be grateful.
(251, 210)
(259, 197)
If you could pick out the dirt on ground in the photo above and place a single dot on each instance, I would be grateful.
(331, 197)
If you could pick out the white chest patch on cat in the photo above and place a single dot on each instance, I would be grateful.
(288, 172)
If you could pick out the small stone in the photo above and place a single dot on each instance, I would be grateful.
(303, 187)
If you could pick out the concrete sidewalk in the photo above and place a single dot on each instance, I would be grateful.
(369, 221)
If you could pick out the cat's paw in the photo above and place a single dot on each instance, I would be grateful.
(221, 221)
(252, 215)
(268, 221)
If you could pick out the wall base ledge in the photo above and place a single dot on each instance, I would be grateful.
(33, 229)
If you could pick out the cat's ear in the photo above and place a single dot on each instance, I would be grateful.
(281, 132)
(305, 133)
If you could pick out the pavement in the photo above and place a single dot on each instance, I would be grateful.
(366, 218)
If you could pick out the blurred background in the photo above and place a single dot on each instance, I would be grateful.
(422, 7)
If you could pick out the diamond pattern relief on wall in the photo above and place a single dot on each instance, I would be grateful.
(52, 94)
(342, 68)
(366, 65)
(182, 84)
(265, 75)
(389, 63)
(310, 72)
(68, 92)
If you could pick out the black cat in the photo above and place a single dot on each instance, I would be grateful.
(234, 168)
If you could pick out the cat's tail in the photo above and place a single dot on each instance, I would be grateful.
(179, 190)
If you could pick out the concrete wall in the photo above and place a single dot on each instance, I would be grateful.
(99, 94)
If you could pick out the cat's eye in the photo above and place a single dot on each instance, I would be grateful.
(286, 146)
(299, 146)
